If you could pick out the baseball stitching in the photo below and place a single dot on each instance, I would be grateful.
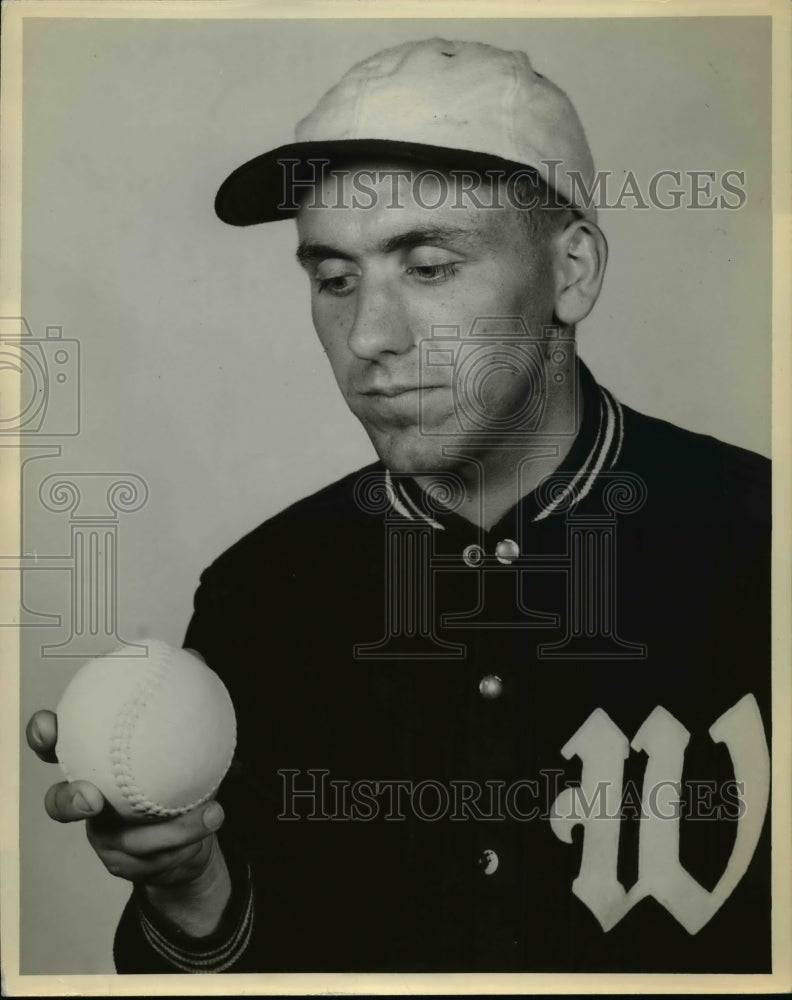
(121, 739)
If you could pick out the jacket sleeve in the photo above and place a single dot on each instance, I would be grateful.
(145, 941)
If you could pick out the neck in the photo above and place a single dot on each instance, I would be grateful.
(497, 477)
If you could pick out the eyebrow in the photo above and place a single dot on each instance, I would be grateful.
(309, 252)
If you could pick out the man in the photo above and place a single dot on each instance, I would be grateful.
(462, 673)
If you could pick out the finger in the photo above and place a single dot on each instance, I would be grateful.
(145, 839)
(42, 735)
(69, 801)
(163, 866)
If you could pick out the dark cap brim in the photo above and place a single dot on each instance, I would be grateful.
(263, 189)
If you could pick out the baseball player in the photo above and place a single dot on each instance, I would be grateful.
(503, 695)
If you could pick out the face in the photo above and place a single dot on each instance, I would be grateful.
(382, 278)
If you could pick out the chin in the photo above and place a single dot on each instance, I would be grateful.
(412, 453)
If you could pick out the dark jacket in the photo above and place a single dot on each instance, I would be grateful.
(640, 592)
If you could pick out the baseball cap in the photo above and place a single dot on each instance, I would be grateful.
(449, 103)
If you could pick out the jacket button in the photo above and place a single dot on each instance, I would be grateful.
(473, 555)
(507, 551)
(491, 686)
(488, 862)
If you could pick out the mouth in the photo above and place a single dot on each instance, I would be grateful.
(399, 391)
(403, 407)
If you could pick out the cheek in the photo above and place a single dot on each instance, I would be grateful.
(455, 304)
(331, 325)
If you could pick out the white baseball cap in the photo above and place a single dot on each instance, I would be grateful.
(446, 104)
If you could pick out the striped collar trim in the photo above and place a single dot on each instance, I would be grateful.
(603, 455)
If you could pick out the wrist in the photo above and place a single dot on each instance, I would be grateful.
(195, 907)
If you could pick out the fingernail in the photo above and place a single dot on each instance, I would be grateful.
(213, 816)
(81, 803)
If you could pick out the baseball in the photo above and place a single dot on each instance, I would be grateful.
(154, 733)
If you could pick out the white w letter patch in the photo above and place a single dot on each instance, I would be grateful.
(603, 747)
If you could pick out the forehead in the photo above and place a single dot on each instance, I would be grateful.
(369, 200)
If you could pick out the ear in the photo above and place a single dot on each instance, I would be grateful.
(580, 253)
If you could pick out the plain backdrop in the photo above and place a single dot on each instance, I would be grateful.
(200, 370)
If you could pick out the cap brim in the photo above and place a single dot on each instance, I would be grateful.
(261, 190)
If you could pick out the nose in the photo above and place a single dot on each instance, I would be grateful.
(379, 325)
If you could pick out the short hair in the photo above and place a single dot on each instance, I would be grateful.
(545, 212)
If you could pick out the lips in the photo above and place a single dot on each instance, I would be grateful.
(393, 391)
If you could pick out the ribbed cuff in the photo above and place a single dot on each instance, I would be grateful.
(216, 952)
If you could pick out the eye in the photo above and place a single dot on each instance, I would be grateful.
(431, 274)
(339, 285)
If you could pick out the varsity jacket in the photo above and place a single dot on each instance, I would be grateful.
(538, 747)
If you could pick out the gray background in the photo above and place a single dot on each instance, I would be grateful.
(200, 370)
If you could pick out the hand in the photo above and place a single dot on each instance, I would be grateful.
(178, 860)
